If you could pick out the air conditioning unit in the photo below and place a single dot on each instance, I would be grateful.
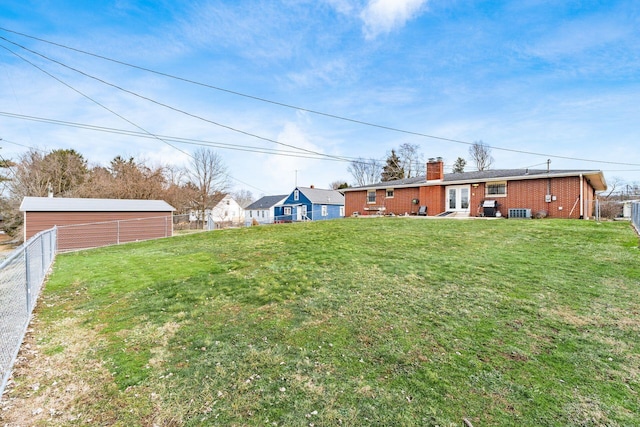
(520, 213)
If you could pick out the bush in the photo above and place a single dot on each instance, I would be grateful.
(610, 209)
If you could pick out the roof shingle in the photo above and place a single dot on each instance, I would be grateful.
(63, 204)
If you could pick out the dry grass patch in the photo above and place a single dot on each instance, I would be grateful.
(54, 376)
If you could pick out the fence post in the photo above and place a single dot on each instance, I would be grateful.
(42, 250)
(54, 242)
(27, 267)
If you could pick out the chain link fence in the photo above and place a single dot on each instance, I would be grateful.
(635, 216)
(182, 222)
(97, 234)
(22, 274)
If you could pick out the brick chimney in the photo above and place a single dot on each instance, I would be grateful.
(435, 169)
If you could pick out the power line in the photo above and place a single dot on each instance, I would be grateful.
(181, 140)
(91, 99)
(308, 110)
(21, 145)
(195, 116)
(110, 110)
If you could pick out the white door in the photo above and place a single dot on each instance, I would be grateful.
(458, 198)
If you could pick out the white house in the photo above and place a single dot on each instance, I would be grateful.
(224, 210)
(262, 209)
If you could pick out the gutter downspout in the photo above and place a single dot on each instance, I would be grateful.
(582, 197)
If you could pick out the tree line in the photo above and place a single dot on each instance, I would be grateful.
(407, 162)
(66, 173)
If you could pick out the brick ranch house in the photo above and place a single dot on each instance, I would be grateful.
(519, 192)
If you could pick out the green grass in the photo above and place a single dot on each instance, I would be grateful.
(389, 321)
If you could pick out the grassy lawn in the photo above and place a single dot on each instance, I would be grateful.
(388, 321)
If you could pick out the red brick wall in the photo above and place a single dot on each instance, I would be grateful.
(399, 204)
(354, 201)
(526, 194)
(435, 170)
(530, 194)
(433, 198)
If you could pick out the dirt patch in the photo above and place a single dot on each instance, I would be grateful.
(7, 245)
(48, 379)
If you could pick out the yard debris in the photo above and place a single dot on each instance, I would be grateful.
(467, 422)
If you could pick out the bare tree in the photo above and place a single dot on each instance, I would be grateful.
(35, 172)
(208, 174)
(410, 159)
(243, 197)
(365, 172)
(613, 184)
(178, 192)
(66, 170)
(29, 177)
(126, 179)
(481, 155)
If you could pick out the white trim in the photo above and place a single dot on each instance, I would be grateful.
(458, 194)
(486, 187)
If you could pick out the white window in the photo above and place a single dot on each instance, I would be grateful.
(296, 195)
(341, 210)
(287, 210)
(262, 214)
(496, 189)
(371, 196)
(389, 193)
(324, 210)
(250, 214)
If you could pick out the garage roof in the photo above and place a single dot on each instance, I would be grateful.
(62, 204)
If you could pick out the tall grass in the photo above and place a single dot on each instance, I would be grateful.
(389, 321)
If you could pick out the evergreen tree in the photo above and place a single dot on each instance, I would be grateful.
(392, 170)
(458, 165)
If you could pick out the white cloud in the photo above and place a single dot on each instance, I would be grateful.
(341, 6)
(383, 16)
(283, 168)
(321, 73)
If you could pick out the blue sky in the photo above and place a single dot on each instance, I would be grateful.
(560, 79)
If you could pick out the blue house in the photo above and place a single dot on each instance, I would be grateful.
(310, 204)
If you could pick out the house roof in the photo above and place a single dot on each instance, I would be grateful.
(266, 202)
(63, 204)
(596, 178)
(322, 197)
